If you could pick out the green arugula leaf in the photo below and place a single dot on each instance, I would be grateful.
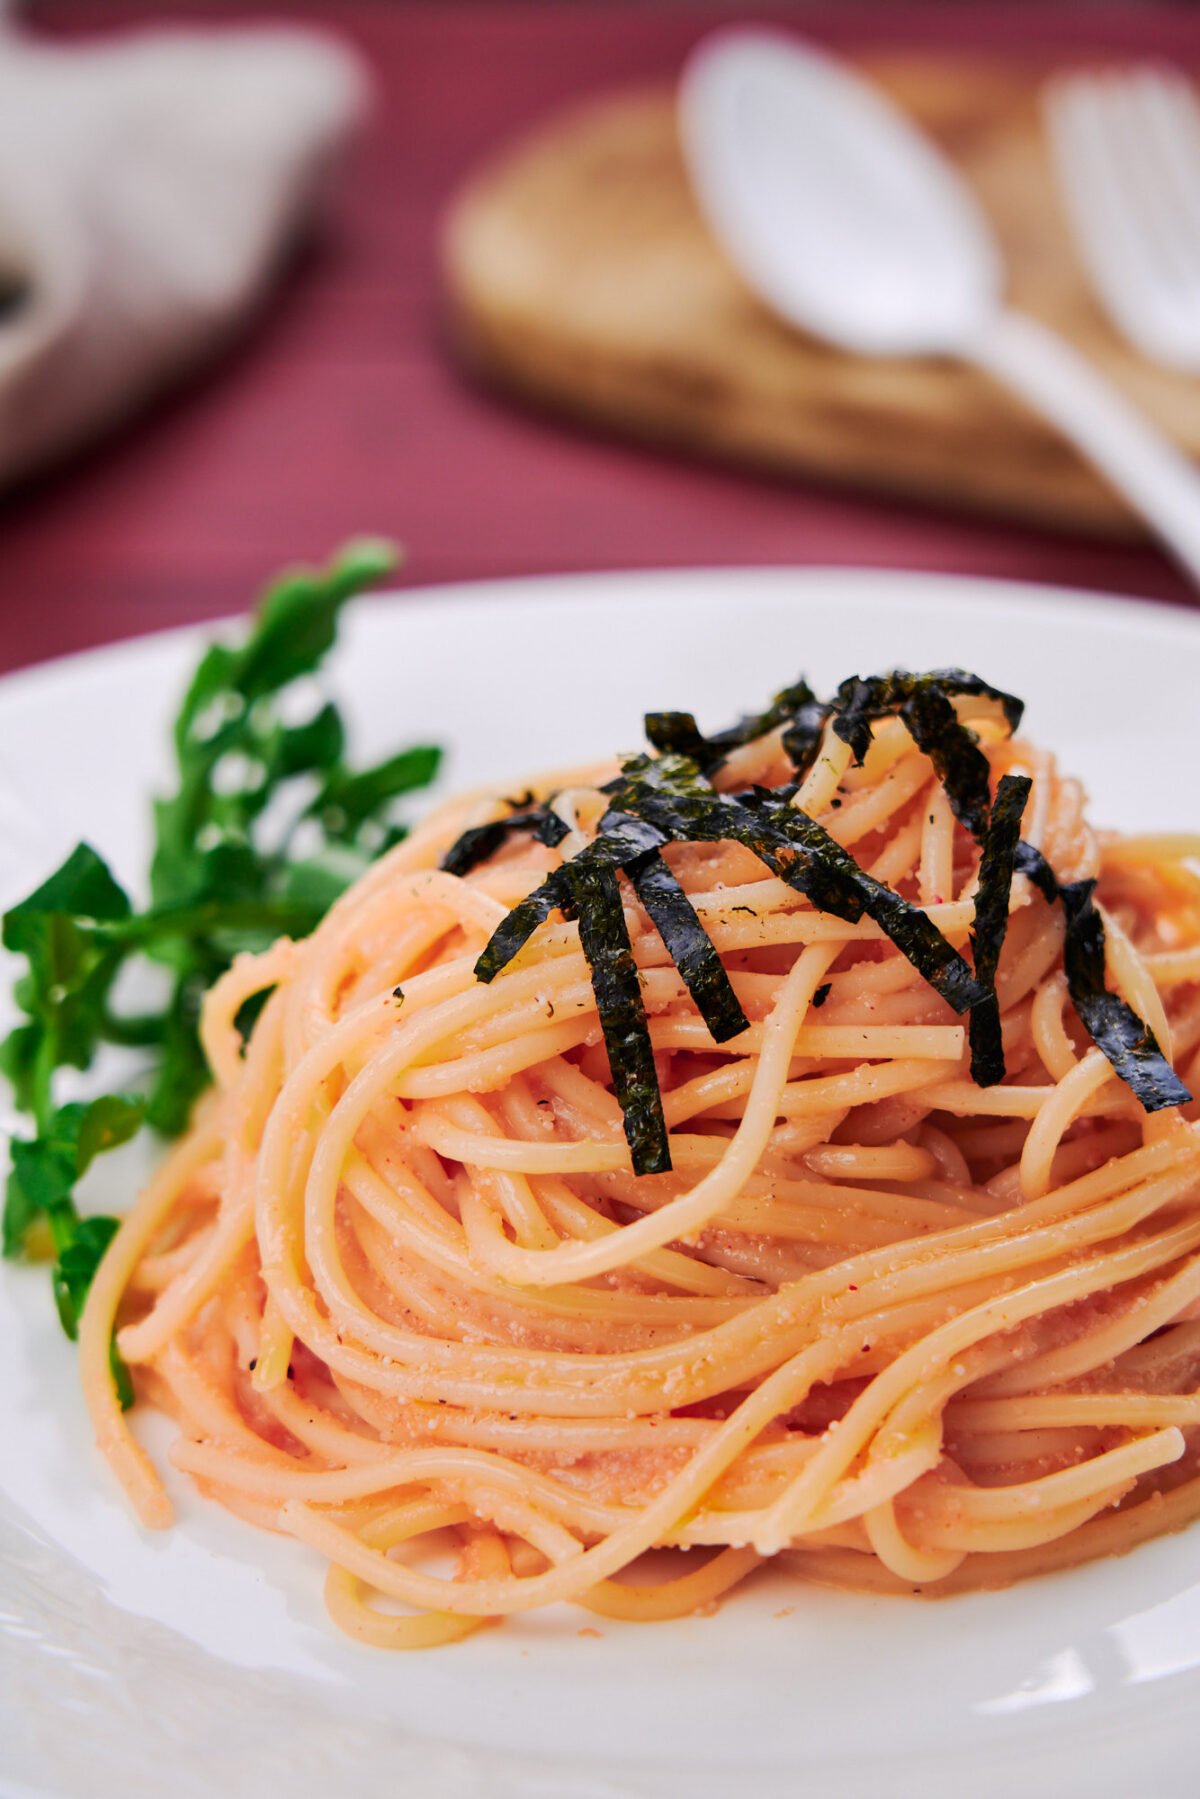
(302, 748)
(45, 1168)
(316, 882)
(250, 779)
(76, 1266)
(347, 800)
(104, 1124)
(297, 619)
(182, 1073)
(18, 1059)
(69, 970)
(83, 887)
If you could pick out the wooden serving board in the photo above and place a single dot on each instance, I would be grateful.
(580, 272)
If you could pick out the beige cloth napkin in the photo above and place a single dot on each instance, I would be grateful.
(147, 190)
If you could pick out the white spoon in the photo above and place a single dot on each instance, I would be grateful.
(850, 225)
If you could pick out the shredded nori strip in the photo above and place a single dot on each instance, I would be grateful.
(513, 932)
(910, 929)
(678, 734)
(862, 699)
(596, 898)
(482, 841)
(623, 840)
(797, 707)
(1126, 1040)
(669, 798)
(1113, 1026)
(991, 924)
(925, 703)
(1031, 862)
(670, 794)
(802, 739)
(587, 888)
(961, 765)
(630, 843)
(689, 946)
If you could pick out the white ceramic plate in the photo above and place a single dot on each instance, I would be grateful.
(201, 1661)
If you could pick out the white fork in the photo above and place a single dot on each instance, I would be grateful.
(1126, 146)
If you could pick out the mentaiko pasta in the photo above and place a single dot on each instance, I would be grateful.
(869, 1318)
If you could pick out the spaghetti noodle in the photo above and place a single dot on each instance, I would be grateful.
(402, 1286)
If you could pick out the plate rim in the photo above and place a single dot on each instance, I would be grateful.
(1167, 616)
(942, 590)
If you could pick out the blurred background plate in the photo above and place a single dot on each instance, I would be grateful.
(342, 407)
(584, 276)
(201, 1661)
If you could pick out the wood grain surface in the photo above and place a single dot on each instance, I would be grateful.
(581, 272)
(343, 411)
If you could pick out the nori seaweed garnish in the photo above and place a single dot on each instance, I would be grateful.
(863, 699)
(513, 932)
(678, 734)
(669, 798)
(596, 899)
(802, 739)
(480, 842)
(924, 702)
(991, 924)
(1031, 862)
(689, 946)
(961, 765)
(910, 929)
(587, 888)
(797, 707)
(1115, 1027)
(671, 794)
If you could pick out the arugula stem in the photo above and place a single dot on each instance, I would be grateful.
(63, 1219)
(45, 1062)
(221, 882)
(143, 1030)
(207, 918)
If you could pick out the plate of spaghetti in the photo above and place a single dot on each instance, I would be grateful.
(680, 1270)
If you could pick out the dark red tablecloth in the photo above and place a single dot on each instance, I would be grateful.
(341, 411)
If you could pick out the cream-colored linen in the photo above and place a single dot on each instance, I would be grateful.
(148, 187)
